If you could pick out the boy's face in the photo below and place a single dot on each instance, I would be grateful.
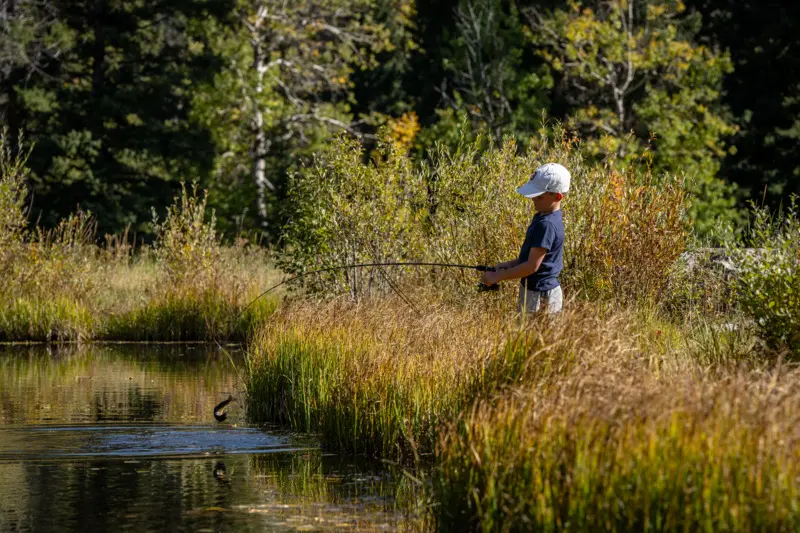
(547, 202)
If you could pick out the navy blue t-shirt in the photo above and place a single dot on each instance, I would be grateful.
(546, 231)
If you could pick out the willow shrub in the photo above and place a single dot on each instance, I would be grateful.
(768, 283)
(624, 228)
(345, 210)
(13, 222)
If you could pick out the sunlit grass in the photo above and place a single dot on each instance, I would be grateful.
(616, 450)
(602, 419)
(44, 320)
(374, 378)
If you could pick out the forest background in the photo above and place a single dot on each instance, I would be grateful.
(122, 100)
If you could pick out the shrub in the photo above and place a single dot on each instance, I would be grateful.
(768, 284)
(186, 245)
(345, 211)
(624, 228)
(13, 222)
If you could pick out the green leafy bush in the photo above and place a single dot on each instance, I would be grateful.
(624, 228)
(186, 246)
(768, 286)
(346, 211)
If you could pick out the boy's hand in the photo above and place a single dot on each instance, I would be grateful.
(489, 278)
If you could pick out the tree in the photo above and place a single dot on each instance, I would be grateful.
(287, 83)
(763, 95)
(109, 115)
(31, 38)
(633, 75)
(490, 80)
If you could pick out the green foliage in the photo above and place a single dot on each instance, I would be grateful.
(53, 318)
(108, 110)
(491, 79)
(286, 86)
(345, 211)
(624, 229)
(13, 173)
(637, 66)
(768, 284)
(186, 243)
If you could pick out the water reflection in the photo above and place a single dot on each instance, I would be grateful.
(122, 438)
(120, 383)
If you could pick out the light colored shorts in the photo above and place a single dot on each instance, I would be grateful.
(550, 301)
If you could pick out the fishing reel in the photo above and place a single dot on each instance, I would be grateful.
(482, 287)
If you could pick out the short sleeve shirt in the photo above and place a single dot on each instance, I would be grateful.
(546, 231)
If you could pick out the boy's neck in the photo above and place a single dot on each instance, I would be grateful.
(556, 207)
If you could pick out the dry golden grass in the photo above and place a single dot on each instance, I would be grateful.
(547, 424)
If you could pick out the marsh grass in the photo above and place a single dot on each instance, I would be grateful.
(602, 419)
(377, 377)
(60, 286)
(373, 378)
(52, 320)
(611, 450)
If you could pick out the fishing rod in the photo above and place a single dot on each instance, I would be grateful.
(480, 268)
(219, 413)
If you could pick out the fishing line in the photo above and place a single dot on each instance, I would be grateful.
(479, 268)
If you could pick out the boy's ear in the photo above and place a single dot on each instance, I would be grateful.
(559, 196)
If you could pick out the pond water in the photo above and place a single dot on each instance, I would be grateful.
(122, 438)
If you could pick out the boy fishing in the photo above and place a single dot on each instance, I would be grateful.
(541, 257)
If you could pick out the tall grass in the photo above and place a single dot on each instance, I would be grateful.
(610, 450)
(60, 285)
(593, 421)
(372, 378)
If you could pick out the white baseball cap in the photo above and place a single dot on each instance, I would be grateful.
(550, 177)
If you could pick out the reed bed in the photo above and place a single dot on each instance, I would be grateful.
(373, 377)
(613, 450)
(597, 420)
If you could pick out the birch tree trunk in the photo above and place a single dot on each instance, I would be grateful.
(261, 143)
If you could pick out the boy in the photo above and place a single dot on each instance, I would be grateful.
(541, 258)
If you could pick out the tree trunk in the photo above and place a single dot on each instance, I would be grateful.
(261, 143)
(260, 151)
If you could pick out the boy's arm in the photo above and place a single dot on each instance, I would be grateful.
(507, 264)
(522, 270)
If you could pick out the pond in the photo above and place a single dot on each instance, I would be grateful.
(122, 438)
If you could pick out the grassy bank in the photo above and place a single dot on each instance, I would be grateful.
(63, 284)
(373, 378)
(132, 300)
(601, 420)
(614, 449)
